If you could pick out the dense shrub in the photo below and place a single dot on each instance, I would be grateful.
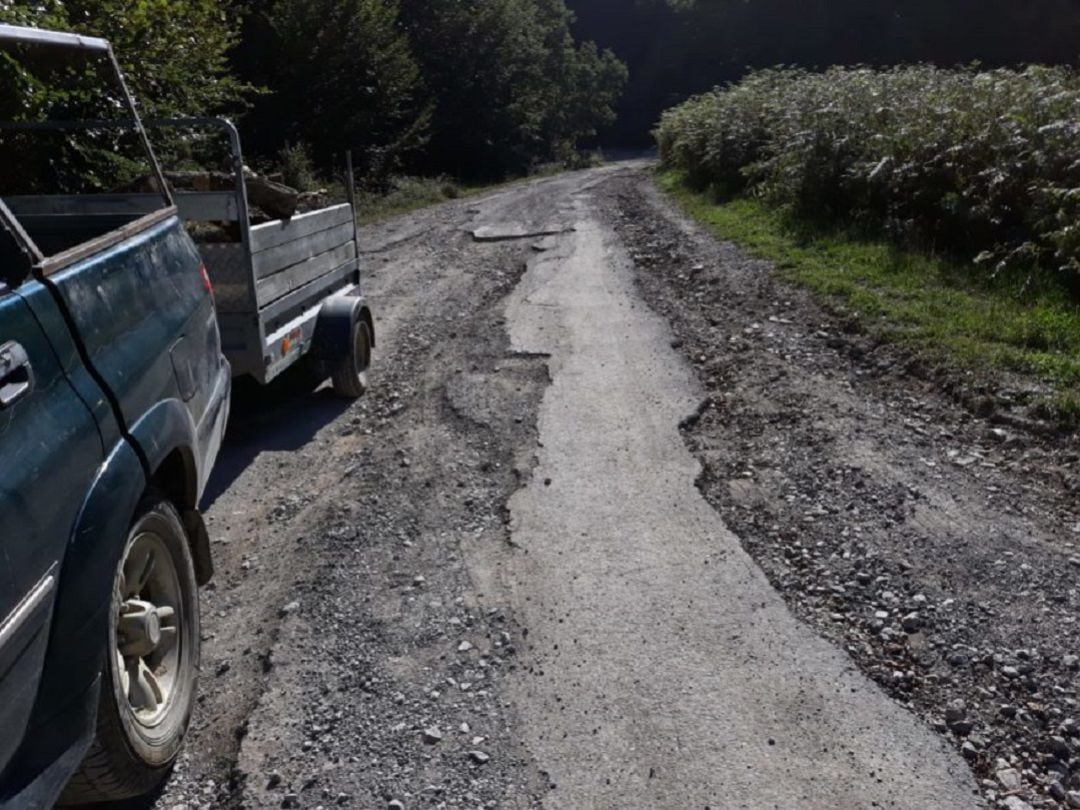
(985, 164)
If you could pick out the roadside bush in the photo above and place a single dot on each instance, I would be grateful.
(399, 194)
(982, 164)
(298, 167)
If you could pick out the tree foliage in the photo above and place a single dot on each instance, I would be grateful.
(478, 88)
(174, 52)
(506, 83)
(340, 75)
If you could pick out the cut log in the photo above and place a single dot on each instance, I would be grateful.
(273, 198)
(277, 200)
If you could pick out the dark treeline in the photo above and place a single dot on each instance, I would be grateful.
(676, 48)
(480, 89)
(477, 89)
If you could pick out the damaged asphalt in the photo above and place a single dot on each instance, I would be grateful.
(507, 578)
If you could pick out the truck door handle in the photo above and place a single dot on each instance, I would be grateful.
(16, 374)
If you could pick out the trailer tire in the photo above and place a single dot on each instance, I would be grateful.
(349, 376)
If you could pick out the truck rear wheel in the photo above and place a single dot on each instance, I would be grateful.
(151, 662)
(349, 376)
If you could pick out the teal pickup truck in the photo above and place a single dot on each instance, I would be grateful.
(114, 396)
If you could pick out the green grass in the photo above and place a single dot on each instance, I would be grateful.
(937, 308)
(405, 195)
(408, 194)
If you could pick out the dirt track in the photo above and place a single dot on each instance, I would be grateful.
(493, 583)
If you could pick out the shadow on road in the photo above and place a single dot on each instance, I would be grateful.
(141, 803)
(283, 416)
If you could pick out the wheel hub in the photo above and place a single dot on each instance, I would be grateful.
(139, 629)
(146, 630)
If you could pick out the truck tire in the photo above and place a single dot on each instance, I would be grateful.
(150, 672)
(349, 376)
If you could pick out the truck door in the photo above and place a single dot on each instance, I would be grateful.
(50, 451)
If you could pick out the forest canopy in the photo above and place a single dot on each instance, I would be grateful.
(481, 89)
(477, 89)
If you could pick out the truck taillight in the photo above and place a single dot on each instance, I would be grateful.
(206, 279)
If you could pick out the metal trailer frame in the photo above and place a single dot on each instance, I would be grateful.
(270, 286)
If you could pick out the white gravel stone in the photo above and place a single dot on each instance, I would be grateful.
(432, 735)
(1009, 778)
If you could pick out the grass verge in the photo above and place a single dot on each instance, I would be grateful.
(929, 305)
(407, 194)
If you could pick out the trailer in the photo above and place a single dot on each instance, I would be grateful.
(287, 291)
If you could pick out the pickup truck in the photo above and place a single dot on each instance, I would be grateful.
(114, 395)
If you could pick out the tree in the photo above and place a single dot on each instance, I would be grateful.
(46, 14)
(582, 84)
(507, 85)
(341, 76)
(174, 56)
(173, 52)
(588, 98)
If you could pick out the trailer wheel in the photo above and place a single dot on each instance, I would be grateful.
(349, 376)
(151, 663)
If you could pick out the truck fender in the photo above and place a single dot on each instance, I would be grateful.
(79, 624)
(164, 430)
(166, 435)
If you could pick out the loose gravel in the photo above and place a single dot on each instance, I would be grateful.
(351, 659)
(348, 659)
(939, 548)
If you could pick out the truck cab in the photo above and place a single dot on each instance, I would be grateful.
(114, 397)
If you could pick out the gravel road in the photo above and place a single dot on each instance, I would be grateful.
(626, 522)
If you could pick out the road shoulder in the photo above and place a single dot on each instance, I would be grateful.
(938, 549)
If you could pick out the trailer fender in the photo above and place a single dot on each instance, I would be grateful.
(333, 331)
(366, 317)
